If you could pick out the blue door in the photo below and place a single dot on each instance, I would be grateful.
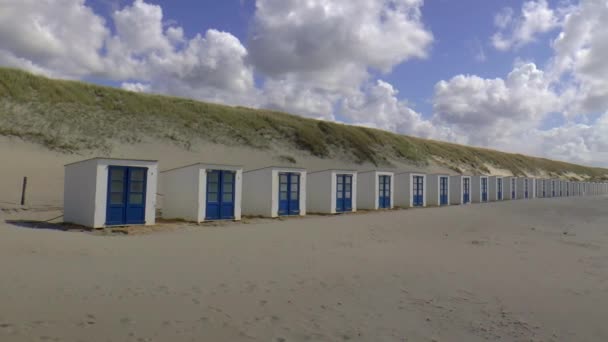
(484, 189)
(220, 195)
(512, 188)
(443, 191)
(418, 191)
(126, 196)
(466, 190)
(289, 194)
(344, 187)
(499, 189)
(384, 192)
(553, 189)
(525, 188)
(544, 186)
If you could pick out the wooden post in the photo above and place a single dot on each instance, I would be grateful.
(23, 190)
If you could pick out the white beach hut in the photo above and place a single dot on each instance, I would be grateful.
(510, 184)
(202, 192)
(331, 191)
(496, 188)
(105, 192)
(375, 190)
(479, 189)
(438, 190)
(274, 191)
(460, 190)
(410, 189)
(525, 189)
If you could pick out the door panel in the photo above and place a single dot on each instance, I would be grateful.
(443, 191)
(384, 192)
(343, 193)
(499, 185)
(466, 190)
(484, 189)
(126, 196)
(220, 195)
(289, 193)
(418, 191)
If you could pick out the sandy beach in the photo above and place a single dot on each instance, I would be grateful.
(532, 270)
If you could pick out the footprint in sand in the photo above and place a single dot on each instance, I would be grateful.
(7, 328)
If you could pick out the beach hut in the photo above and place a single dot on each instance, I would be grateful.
(202, 192)
(479, 189)
(510, 184)
(460, 190)
(538, 188)
(554, 188)
(331, 191)
(375, 190)
(274, 191)
(543, 188)
(105, 192)
(496, 188)
(438, 190)
(410, 189)
(524, 188)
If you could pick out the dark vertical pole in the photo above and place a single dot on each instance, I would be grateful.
(23, 190)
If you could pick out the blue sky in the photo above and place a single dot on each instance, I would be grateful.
(462, 30)
(524, 76)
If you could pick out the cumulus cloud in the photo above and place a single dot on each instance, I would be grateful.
(490, 110)
(65, 38)
(536, 17)
(57, 38)
(321, 50)
(378, 106)
(581, 53)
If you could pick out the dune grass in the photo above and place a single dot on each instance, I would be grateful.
(72, 116)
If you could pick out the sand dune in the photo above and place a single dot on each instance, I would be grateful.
(514, 271)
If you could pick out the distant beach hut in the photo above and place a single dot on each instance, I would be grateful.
(460, 190)
(410, 189)
(438, 190)
(541, 188)
(510, 184)
(202, 192)
(496, 188)
(105, 192)
(332, 191)
(274, 191)
(479, 189)
(525, 188)
(375, 190)
(554, 188)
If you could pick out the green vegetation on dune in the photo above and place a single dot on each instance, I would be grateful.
(72, 116)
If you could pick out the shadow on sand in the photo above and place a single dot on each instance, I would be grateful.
(32, 224)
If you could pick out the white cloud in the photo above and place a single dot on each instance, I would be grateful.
(58, 38)
(135, 87)
(320, 50)
(378, 106)
(536, 17)
(492, 111)
(581, 53)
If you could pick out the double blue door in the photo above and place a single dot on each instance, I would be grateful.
(344, 187)
(443, 191)
(289, 194)
(499, 189)
(466, 190)
(484, 189)
(220, 195)
(384, 192)
(512, 188)
(126, 196)
(418, 191)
